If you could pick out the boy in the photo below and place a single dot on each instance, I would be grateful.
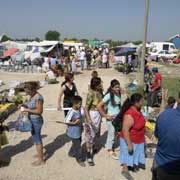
(74, 131)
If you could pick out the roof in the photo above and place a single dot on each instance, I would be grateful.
(177, 35)
(129, 45)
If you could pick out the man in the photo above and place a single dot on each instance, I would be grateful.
(166, 165)
(156, 86)
(82, 59)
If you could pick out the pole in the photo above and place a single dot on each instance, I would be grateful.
(144, 42)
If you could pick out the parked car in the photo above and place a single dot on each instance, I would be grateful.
(163, 54)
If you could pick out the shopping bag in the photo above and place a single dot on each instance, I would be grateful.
(3, 137)
(23, 123)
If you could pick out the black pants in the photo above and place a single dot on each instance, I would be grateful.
(76, 150)
(160, 174)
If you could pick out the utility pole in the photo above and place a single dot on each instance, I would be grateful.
(144, 42)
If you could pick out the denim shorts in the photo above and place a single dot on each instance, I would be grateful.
(36, 129)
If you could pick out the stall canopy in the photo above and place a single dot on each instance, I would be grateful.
(125, 51)
(10, 52)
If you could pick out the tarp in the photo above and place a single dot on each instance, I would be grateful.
(125, 51)
(10, 52)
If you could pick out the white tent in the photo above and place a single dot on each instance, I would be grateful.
(129, 45)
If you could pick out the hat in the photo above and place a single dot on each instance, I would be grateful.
(154, 69)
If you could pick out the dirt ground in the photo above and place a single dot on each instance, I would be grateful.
(56, 144)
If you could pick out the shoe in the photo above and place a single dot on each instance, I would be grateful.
(113, 155)
(38, 163)
(127, 175)
(142, 166)
(90, 161)
(81, 163)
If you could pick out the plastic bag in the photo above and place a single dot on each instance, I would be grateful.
(23, 123)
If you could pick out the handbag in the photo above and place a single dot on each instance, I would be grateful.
(3, 137)
(23, 123)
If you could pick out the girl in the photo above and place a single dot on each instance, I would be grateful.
(113, 102)
(68, 88)
(93, 116)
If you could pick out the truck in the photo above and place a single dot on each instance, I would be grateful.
(159, 46)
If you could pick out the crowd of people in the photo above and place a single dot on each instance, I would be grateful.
(87, 58)
(108, 104)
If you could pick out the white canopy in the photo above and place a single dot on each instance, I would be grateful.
(129, 45)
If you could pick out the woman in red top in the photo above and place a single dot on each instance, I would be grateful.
(132, 137)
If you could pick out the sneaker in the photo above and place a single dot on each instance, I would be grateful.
(90, 161)
(127, 175)
(142, 166)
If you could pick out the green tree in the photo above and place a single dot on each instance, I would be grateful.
(52, 36)
(5, 38)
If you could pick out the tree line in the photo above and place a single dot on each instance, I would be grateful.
(54, 35)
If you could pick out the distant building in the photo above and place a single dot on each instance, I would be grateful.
(176, 40)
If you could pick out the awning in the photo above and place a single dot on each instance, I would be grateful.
(10, 52)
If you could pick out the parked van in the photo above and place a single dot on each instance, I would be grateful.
(159, 46)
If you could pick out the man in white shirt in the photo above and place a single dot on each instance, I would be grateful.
(82, 59)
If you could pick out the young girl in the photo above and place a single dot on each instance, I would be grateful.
(113, 102)
(93, 116)
(68, 88)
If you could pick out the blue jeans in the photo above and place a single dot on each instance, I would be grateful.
(110, 135)
(82, 65)
(36, 130)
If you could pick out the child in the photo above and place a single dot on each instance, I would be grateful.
(74, 131)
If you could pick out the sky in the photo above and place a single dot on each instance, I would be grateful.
(102, 19)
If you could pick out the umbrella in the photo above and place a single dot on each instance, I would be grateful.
(10, 52)
(125, 51)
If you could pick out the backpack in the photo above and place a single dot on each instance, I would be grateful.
(117, 123)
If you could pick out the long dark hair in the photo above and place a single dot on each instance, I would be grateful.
(68, 77)
(135, 98)
(114, 82)
(96, 81)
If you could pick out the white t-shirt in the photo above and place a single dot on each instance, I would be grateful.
(51, 75)
(82, 55)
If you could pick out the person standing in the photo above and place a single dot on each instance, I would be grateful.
(132, 136)
(68, 88)
(82, 59)
(34, 108)
(113, 102)
(93, 116)
(166, 165)
(74, 130)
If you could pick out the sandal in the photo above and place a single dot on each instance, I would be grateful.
(113, 155)
(127, 175)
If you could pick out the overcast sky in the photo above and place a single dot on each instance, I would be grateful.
(103, 19)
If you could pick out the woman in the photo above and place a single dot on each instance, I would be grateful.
(132, 137)
(94, 96)
(68, 88)
(34, 108)
(113, 102)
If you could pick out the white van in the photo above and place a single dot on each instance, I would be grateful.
(159, 46)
